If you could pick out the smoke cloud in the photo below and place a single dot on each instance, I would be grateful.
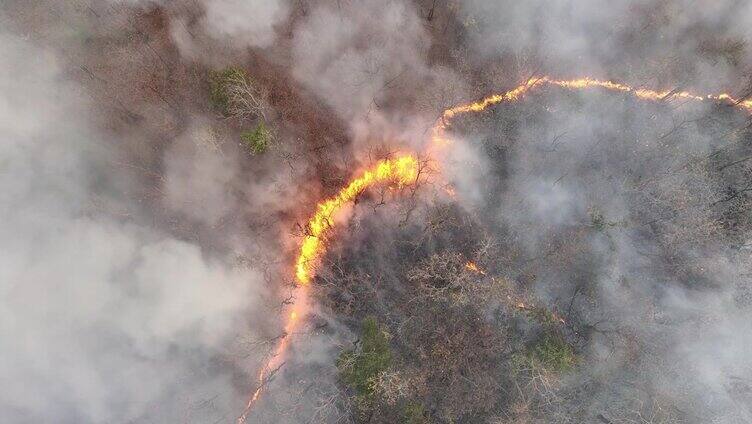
(104, 318)
(245, 23)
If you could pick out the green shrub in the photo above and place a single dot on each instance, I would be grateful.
(360, 368)
(257, 140)
(554, 353)
(551, 353)
(220, 82)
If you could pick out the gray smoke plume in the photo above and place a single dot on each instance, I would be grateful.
(104, 317)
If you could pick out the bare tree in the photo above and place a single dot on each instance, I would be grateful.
(245, 99)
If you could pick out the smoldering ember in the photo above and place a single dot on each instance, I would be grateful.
(376, 211)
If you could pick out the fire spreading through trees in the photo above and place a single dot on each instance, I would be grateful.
(399, 172)
(404, 170)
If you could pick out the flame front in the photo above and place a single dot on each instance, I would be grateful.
(587, 82)
(401, 171)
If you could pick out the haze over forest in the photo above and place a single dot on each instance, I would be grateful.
(376, 211)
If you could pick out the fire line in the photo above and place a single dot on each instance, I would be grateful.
(399, 172)
(404, 170)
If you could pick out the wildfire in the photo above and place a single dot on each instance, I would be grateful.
(472, 266)
(276, 359)
(587, 82)
(494, 99)
(404, 170)
(401, 171)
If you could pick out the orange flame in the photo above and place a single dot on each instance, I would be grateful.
(276, 359)
(401, 171)
(470, 265)
(587, 82)
(494, 99)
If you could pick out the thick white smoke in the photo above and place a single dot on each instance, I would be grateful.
(103, 317)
